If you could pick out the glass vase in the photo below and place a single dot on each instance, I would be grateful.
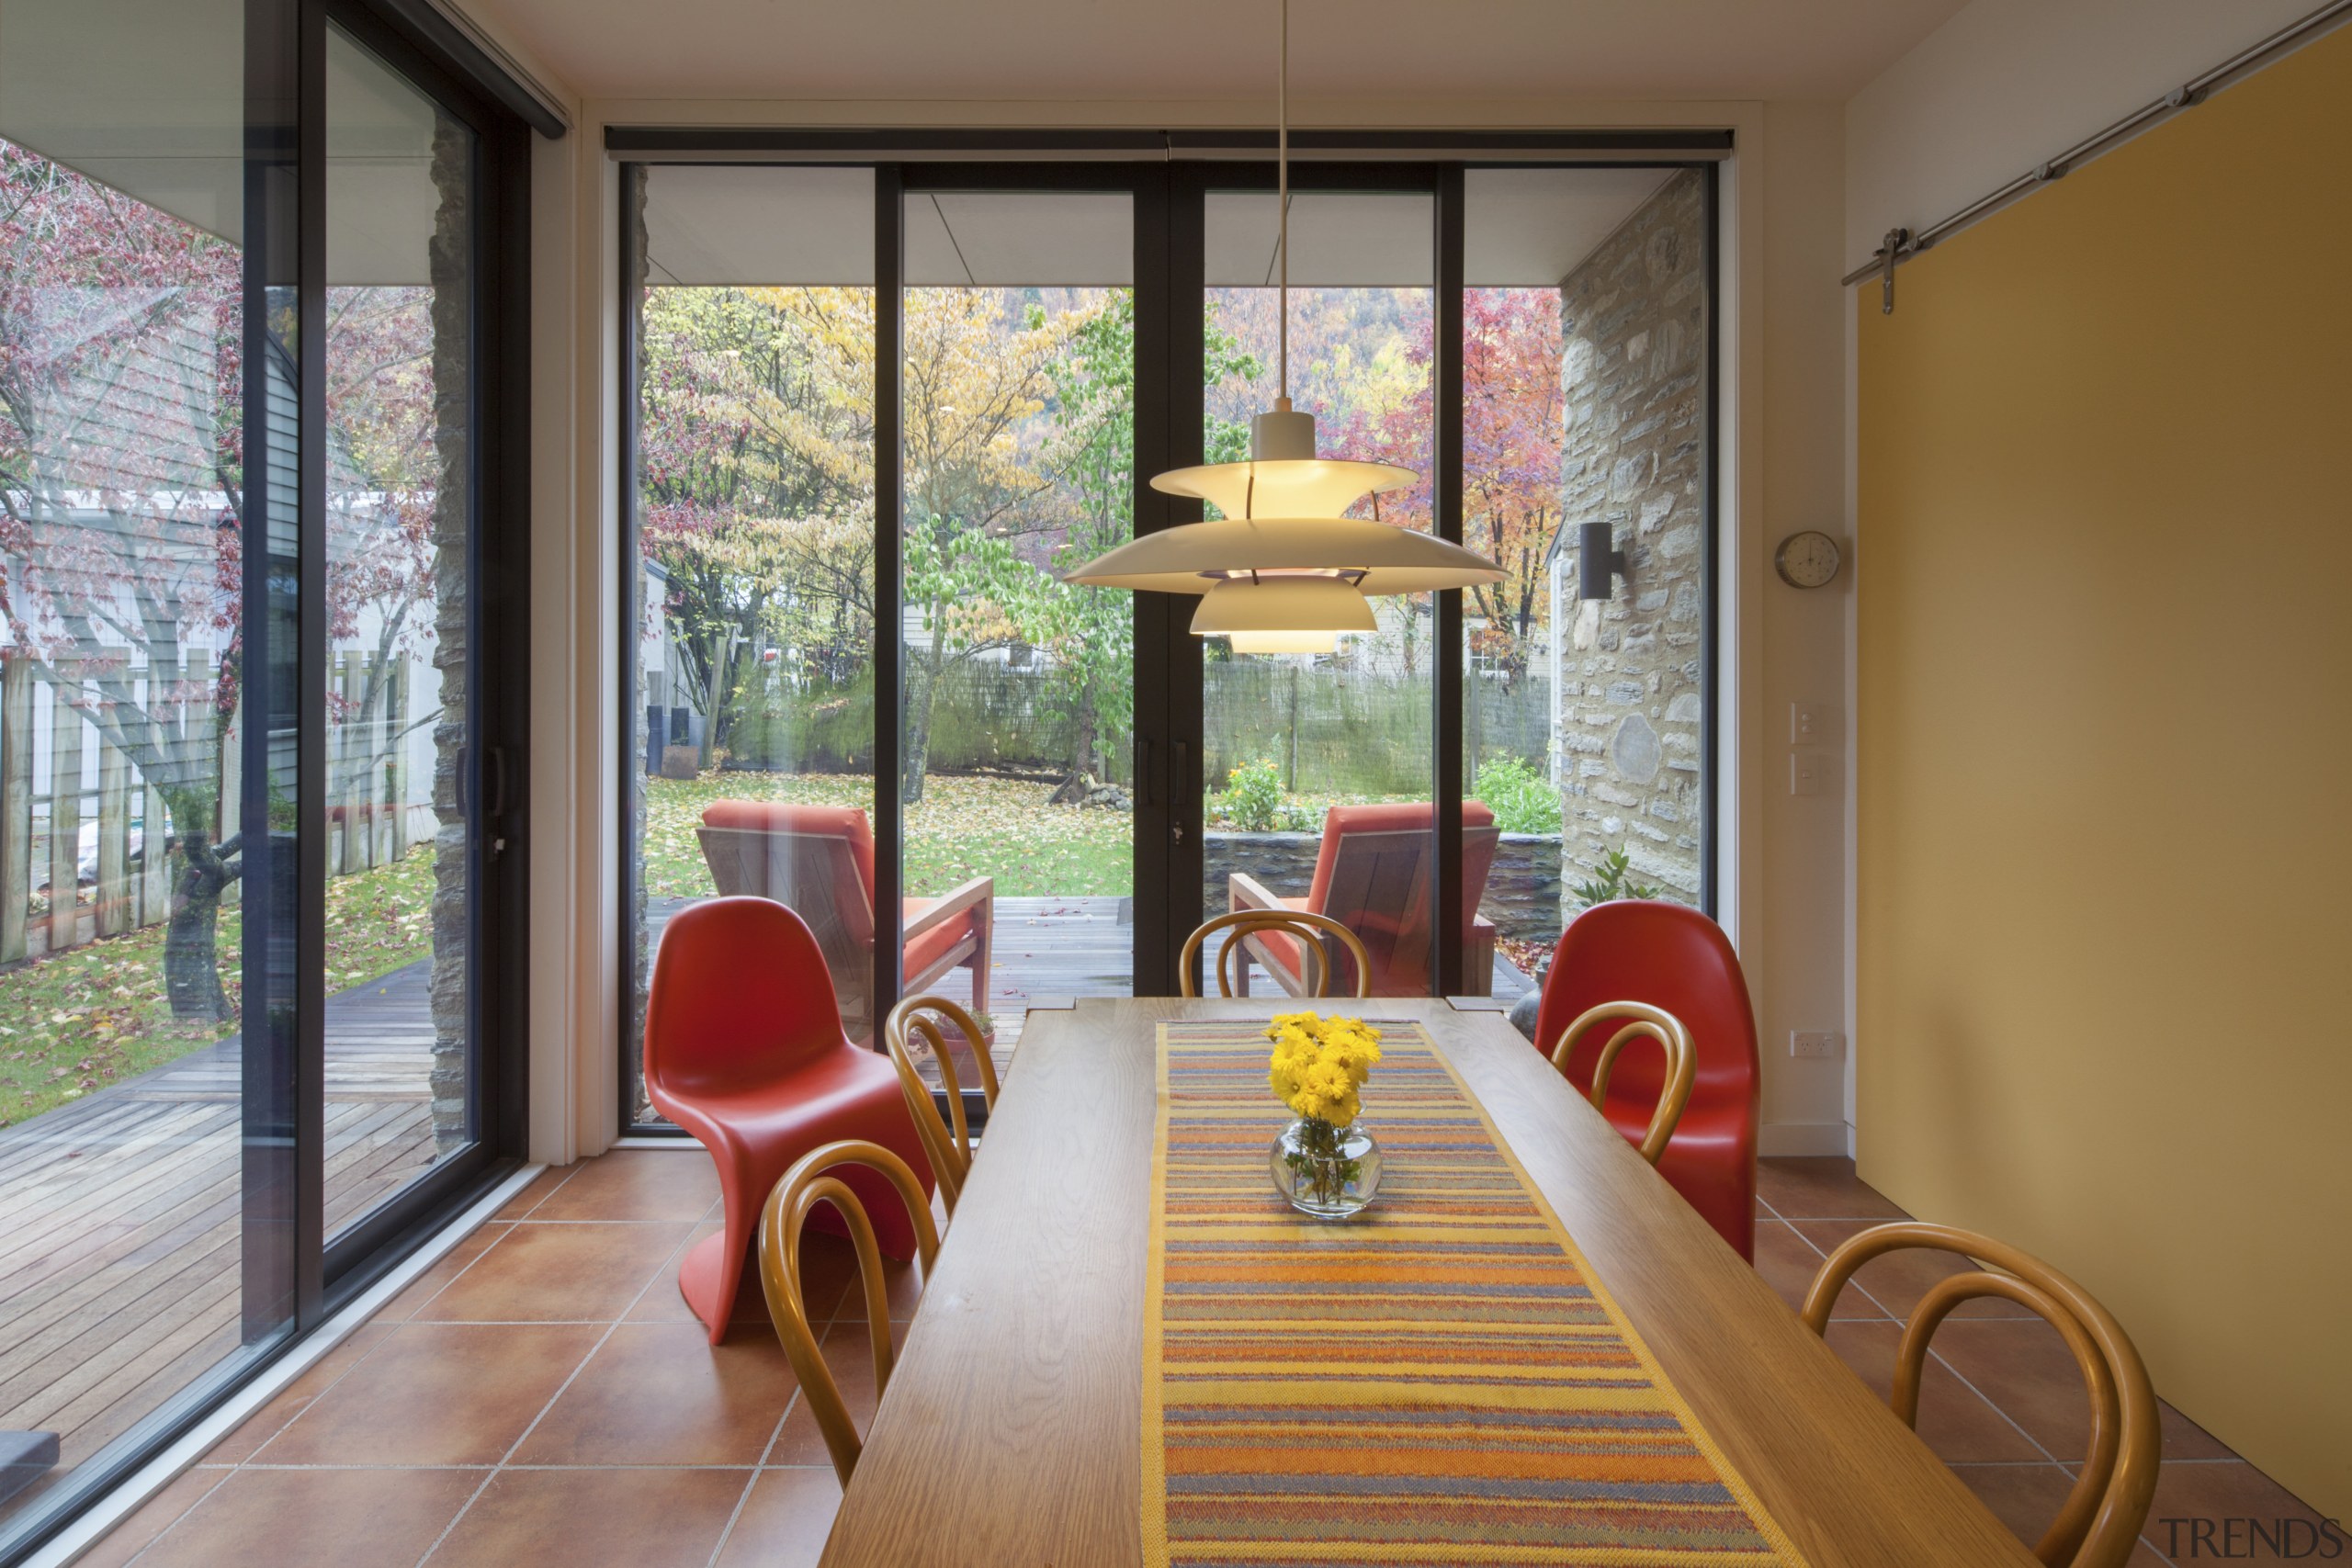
(1329, 1172)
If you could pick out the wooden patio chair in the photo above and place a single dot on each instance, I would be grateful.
(1371, 874)
(819, 862)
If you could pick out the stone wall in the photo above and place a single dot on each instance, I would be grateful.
(1633, 368)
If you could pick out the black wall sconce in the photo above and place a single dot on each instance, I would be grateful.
(1597, 561)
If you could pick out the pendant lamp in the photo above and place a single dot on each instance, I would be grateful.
(1285, 570)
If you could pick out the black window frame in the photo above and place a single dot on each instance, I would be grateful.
(1169, 175)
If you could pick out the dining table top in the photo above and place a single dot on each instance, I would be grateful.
(1012, 1430)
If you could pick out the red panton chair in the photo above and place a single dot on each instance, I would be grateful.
(1371, 874)
(744, 1049)
(820, 861)
(1672, 957)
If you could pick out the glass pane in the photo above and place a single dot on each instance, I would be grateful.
(1318, 766)
(1584, 401)
(146, 352)
(401, 507)
(755, 696)
(1019, 719)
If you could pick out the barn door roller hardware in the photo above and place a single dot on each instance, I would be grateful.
(1901, 244)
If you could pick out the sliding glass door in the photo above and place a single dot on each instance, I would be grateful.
(879, 410)
(251, 837)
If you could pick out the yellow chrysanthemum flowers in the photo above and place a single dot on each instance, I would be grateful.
(1320, 1064)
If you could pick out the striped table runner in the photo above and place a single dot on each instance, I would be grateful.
(1439, 1380)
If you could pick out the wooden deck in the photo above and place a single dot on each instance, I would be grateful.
(119, 1216)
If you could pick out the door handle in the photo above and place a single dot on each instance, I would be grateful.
(1181, 791)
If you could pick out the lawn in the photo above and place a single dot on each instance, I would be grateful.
(97, 1014)
(965, 826)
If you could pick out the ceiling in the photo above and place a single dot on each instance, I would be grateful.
(151, 101)
(1114, 50)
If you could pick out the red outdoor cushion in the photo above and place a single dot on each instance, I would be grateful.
(926, 948)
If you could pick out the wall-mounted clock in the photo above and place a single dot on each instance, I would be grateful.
(1807, 560)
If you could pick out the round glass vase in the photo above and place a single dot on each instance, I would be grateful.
(1329, 1172)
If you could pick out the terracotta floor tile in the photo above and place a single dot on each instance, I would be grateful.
(2024, 1368)
(151, 1518)
(2190, 1519)
(531, 1197)
(848, 1353)
(1953, 1420)
(353, 1518)
(1787, 1261)
(1897, 1279)
(550, 1273)
(271, 1418)
(435, 1279)
(784, 1522)
(902, 1281)
(595, 1518)
(637, 1184)
(661, 1394)
(436, 1393)
(661, 1302)
(1820, 1187)
(2026, 1497)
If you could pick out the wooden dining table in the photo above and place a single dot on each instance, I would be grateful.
(1011, 1434)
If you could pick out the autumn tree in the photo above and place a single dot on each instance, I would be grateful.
(122, 488)
(1512, 412)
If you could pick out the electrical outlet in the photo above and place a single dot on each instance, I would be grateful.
(1825, 1045)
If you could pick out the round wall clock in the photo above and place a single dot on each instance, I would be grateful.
(1807, 560)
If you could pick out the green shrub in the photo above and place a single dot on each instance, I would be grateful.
(1522, 798)
(1253, 798)
(1610, 883)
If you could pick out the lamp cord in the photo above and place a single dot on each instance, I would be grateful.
(1282, 198)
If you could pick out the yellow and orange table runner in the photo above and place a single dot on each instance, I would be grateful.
(1439, 1380)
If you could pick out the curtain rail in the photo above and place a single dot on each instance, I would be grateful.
(1901, 244)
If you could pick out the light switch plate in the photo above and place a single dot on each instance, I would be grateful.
(1809, 772)
(1811, 723)
(1820, 1045)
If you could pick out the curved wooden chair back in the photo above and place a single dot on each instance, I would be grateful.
(2100, 1521)
(948, 1148)
(806, 1185)
(1306, 928)
(1637, 1020)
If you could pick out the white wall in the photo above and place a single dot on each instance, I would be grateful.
(1803, 980)
(2005, 83)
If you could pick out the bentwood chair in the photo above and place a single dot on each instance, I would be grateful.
(1638, 1020)
(807, 1184)
(2100, 1521)
(744, 1049)
(1673, 957)
(1309, 934)
(1371, 874)
(950, 1149)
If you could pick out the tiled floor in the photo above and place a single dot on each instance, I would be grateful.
(2002, 1401)
(543, 1396)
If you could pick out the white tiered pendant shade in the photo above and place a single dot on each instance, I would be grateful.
(1285, 570)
